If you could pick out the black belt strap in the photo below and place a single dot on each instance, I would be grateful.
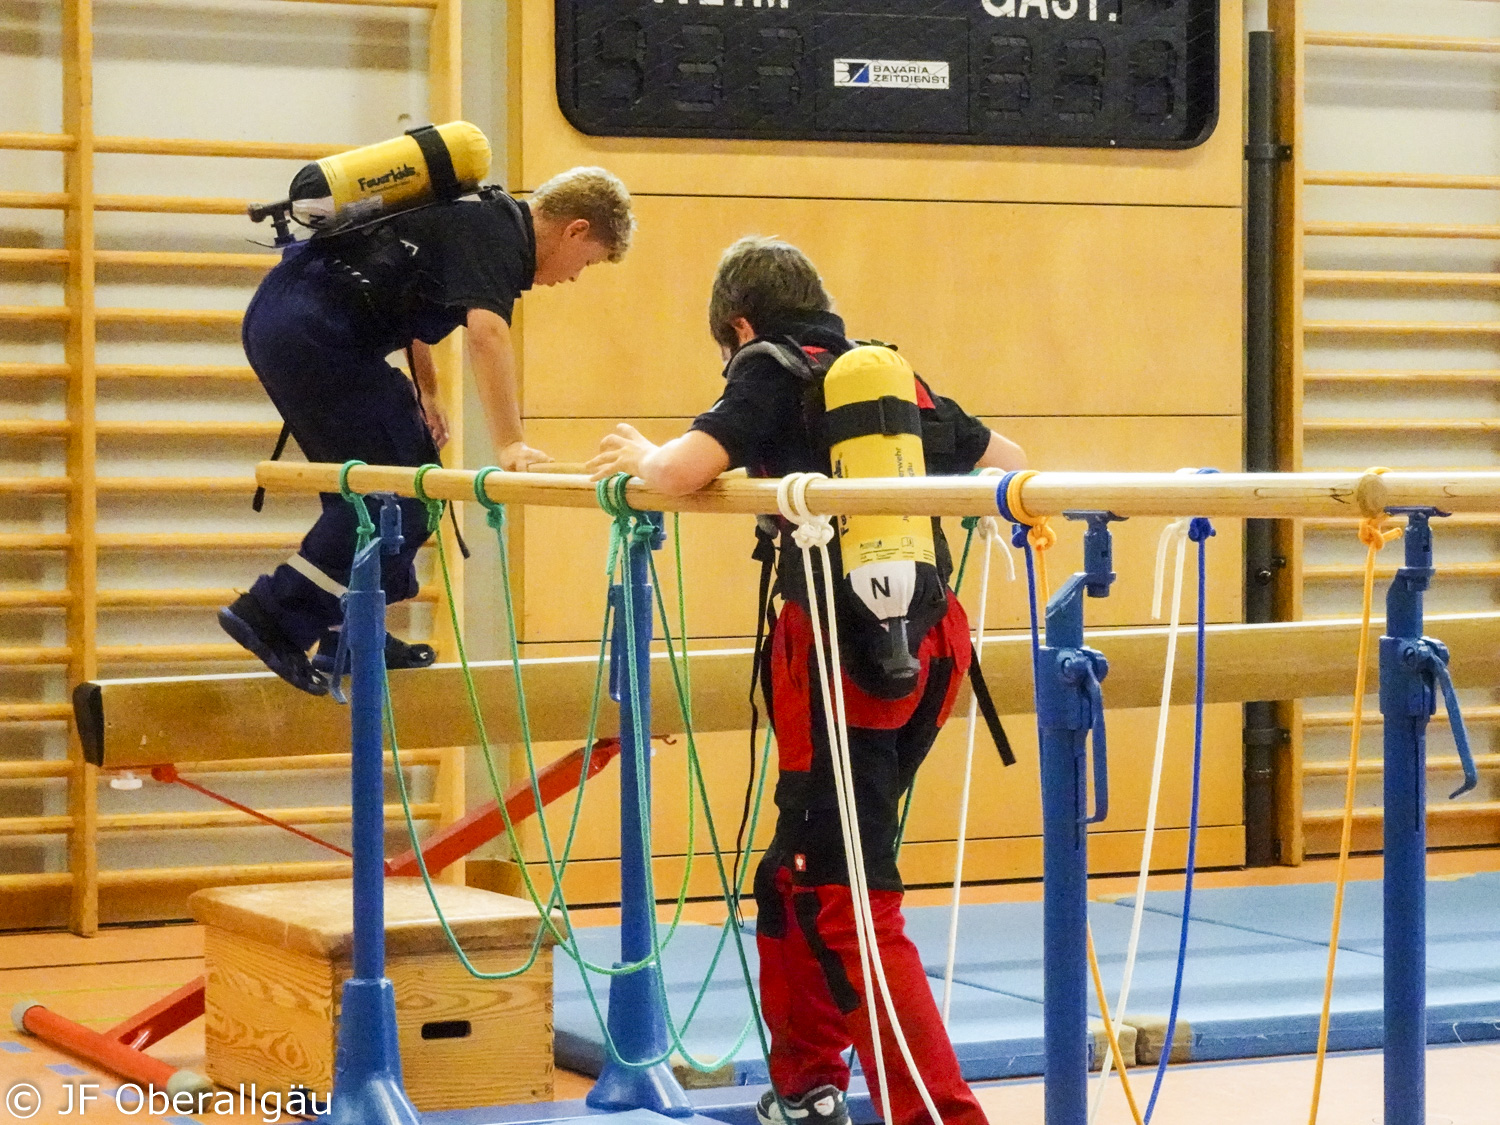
(440, 173)
(887, 416)
(259, 501)
(411, 366)
(987, 709)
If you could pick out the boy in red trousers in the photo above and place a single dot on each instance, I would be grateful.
(769, 295)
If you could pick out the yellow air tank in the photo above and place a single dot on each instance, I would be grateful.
(874, 429)
(426, 164)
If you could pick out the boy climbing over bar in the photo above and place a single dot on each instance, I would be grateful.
(774, 322)
(317, 334)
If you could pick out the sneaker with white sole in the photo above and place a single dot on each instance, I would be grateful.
(824, 1105)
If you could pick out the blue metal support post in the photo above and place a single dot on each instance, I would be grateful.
(636, 1022)
(1413, 669)
(1069, 706)
(367, 1087)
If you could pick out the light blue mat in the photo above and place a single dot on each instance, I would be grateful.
(1252, 988)
(1463, 917)
(1463, 942)
(994, 1036)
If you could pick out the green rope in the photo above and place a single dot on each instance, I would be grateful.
(367, 530)
(629, 526)
(636, 528)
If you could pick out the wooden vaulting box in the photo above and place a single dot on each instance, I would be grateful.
(277, 957)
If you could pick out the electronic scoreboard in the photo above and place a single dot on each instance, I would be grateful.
(1097, 73)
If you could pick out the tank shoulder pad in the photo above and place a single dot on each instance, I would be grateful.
(783, 350)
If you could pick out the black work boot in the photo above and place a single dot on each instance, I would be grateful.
(255, 629)
(398, 654)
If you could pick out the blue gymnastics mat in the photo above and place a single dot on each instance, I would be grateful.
(1463, 917)
(1463, 939)
(1247, 992)
(994, 1036)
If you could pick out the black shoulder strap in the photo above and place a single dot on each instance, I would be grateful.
(783, 350)
(987, 709)
(440, 173)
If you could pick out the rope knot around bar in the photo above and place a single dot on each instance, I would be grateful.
(629, 521)
(434, 507)
(1008, 499)
(811, 529)
(367, 529)
(1375, 530)
(494, 511)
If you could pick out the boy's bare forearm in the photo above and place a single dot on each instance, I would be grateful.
(1002, 453)
(495, 379)
(424, 371)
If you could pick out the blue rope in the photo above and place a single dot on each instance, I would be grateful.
(1199, 531)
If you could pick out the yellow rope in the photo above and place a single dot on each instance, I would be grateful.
(1041, 536)
(1109, 1029)
(1374, 534)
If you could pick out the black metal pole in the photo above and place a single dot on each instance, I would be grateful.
(1262, 154)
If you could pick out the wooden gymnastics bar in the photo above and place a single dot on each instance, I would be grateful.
(1326, 229)
(176, 146)
(1473, 716)
(143, 204)
(164, 598)
(1406, 279)
(1427, 180)
(1240, 495)
(27, 427)
(1450, 376)
(1401, 328)
(1399, 425)
(143, 259)
(135, 724)
(1370, 40)
(191, 821)
(1372, 767)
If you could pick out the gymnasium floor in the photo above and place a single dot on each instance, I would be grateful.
(99, 981)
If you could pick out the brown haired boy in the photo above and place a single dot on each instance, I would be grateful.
(812, 987)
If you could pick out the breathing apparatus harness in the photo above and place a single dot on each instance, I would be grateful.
(348, 200)
(862, 632)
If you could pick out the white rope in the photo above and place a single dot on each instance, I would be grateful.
(989, 533)
(815, 532)
(1176, 531)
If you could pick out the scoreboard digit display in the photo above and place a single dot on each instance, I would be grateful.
(1083, 73)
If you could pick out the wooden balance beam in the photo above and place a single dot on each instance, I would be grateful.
(136, 724)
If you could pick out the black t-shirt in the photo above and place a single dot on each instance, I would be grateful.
(428, 267)
(759, 419)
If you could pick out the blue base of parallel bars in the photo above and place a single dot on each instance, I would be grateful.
(724, 1105)
(1407, 700)
(1064, 719)
(637, 1023)
(367, 1088)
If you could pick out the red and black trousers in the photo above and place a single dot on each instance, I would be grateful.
(811, 981)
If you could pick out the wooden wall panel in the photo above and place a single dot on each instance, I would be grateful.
(542, 143)
(1011, 308)
(563, 551)
(1085, 302)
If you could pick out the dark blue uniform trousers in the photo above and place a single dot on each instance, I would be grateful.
(311, 346)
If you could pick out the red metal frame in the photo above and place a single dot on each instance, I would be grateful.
(121, 1049)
